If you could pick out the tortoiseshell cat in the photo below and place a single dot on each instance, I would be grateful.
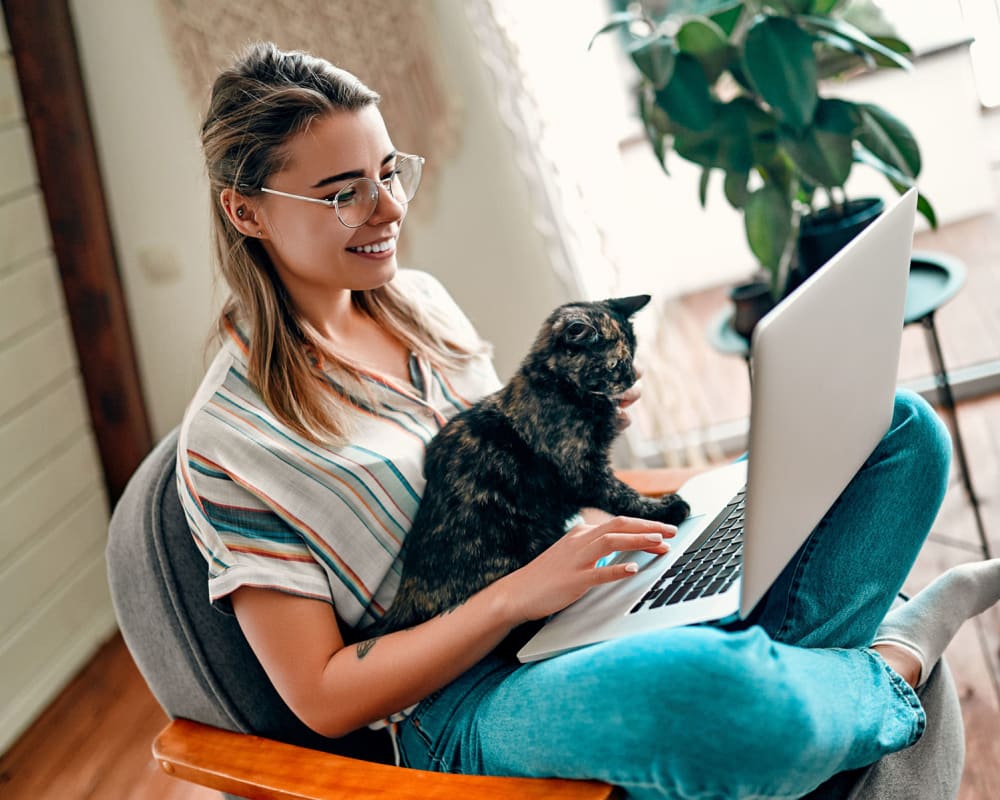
(504, 475)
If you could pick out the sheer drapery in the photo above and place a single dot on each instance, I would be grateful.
(568, 110)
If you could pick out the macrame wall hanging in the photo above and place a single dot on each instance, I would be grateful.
(389, 44)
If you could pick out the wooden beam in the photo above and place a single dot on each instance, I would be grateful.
(45, 54)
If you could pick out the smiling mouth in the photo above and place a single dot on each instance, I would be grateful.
(374, 247)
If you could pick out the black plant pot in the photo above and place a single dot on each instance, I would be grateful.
(751, 301)
(824, 233)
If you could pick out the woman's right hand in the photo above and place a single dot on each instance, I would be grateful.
(565, 571)
(335, 688)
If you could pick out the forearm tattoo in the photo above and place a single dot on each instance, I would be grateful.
(364, 648)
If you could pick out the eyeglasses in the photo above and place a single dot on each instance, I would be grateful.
(356, 202)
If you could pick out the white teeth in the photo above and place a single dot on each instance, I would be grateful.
(378, 247)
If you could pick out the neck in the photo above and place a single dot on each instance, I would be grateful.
(334, 316)
(536, 406)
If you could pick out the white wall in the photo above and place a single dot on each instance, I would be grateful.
(54, 605)
(146, 134)
(477, 238)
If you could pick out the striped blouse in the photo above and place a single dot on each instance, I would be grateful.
(270, 509)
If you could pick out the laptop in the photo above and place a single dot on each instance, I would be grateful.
(824, 365)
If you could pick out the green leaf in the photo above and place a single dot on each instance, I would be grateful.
(735, 189)
(778, 61)
(849, 56)
(889, 139)
(862, 155)
(703, 187)
(727, 144)
(654, 132)
(687, 98)
(824, 151)
(825, 6)
(698, 147)
(895, 44)
(858, 37)
(655, 59)
(705, 40)
(767, 215)
(927, 210)
(899, 182)
(737, 122)
(798, 6)
(622, 19)
(727, 18)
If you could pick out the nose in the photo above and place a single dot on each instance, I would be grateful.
(387, 208)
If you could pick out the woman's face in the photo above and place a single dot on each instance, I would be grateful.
(311, 249)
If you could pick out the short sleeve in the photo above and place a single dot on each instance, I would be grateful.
(245, 542)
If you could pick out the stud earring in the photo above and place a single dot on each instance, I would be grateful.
(240, 212)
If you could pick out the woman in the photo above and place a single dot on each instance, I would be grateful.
(300, 469)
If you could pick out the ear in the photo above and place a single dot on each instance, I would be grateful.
(578, 331)
(242, 213)
(627, 306)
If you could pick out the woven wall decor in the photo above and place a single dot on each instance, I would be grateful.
(389, 44)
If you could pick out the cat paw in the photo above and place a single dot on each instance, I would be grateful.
(673, 509)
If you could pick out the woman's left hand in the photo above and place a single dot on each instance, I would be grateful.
(628, 398)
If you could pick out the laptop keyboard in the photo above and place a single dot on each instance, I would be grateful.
(709, 566)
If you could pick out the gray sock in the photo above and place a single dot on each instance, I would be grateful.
(927, 623)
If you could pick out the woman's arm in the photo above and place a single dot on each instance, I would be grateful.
(335, 689)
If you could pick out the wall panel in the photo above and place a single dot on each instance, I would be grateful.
(54, 604)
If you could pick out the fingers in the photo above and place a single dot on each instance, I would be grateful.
(629, 396)
(627, 533)
(633, 525)
(615, 542)
(614, 572)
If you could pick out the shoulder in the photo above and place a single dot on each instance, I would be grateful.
(432, 298)
(226, 415)
(419, 284)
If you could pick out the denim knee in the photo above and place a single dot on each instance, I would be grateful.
(765, 733)
(919, 431)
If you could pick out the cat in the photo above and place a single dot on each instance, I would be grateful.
(504, 475)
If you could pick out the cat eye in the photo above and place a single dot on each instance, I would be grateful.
(578, 331)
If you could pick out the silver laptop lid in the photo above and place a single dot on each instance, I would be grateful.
(824, 365)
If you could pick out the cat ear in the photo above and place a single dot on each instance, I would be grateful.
(628, 305)
(578, 331)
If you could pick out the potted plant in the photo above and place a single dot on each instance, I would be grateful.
(734, 86)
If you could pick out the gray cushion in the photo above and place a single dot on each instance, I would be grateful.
(194, 658)
(199, 666)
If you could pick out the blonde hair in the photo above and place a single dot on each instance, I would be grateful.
(264, 98)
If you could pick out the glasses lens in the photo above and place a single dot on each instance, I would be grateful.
(356, 202)
(406, 178)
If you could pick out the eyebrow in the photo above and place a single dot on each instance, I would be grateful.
(356, 173)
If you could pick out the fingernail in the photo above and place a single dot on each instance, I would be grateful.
(631, 567)
(656, 538)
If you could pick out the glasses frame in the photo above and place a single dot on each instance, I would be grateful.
(379, 185)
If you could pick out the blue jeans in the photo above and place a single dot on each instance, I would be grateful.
(769, 710)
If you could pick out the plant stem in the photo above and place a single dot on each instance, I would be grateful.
(834, 203)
